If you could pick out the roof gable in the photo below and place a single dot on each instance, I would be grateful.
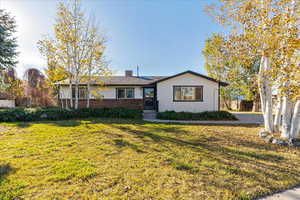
(194, 73)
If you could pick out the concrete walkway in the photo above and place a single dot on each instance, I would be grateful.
(149, 114)
(243, 118)
(292, 194)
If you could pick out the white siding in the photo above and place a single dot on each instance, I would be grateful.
(7, 103)
(102, 92)
(64, 92)
(165, 94)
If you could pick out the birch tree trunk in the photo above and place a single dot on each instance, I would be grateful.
(71, 94)
(76, 95)
(266, 93)
(286, 117)
(62, 103)
(88, 84)
(66, 102)
(295, 127)
(287, 114)
(277, 119)
(88, 95)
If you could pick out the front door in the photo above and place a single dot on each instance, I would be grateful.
(149, 96)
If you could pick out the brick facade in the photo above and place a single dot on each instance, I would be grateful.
(109, 103)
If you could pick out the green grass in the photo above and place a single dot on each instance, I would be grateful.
(123, 159)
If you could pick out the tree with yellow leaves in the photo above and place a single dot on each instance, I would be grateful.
(76, 50)
(54, 71)
(220, 65)
(13, 85)
(268, 29)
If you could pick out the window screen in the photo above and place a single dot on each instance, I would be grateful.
(125, 93)
(82, 92)
(188, 93)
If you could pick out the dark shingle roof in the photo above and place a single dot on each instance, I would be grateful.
(135, 80)
(120, 80)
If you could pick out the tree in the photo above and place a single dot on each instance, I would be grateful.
(77, 48)
(268, 29)
(95, 65)
(221, 66)
(8, 42)
(13, 85)
(36, 89)
(54, 71)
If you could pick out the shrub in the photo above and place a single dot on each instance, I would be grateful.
(56, 113)
(208, 115)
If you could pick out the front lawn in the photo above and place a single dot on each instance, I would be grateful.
(123, 159)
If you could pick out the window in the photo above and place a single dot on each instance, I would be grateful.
(188, 93)
(82, 92)
(148, 92)
(125, 93)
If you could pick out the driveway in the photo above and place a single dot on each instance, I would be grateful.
(293, 194)
(251, 118)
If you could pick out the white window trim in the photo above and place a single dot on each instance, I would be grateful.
(125, 93)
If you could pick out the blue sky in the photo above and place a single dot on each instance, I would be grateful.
(163, 37)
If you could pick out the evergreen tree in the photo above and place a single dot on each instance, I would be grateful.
(8, 43)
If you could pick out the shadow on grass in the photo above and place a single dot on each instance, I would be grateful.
(23, 124)
(64, 123)
(91, 121)
(221, 159)
(80, 121)
(9, 189)
(154, 137)
(122, 143)
(5, 170)
(257, 165)
(76, 122)
(176, 131)
(69, 123)
(194, 144)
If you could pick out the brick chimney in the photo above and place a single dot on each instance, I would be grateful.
(128, 73)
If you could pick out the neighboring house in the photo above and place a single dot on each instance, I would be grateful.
(6, 101)
(187, 91)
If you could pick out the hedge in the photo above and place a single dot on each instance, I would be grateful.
(208, 115)
(40, 114)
